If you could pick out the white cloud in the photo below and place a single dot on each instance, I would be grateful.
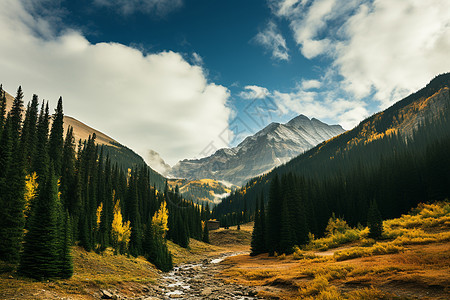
(126, 7)
(197, 59)
(325, 104)
(272, 39)
(380, 47)
(254, 92)
(394, 47)
(311, 84)
(156, 101)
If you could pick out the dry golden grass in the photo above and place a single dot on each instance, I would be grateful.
(412, 262)
(91, 272)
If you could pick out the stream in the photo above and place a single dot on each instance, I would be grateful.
(197, 281)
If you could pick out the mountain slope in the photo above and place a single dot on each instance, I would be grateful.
(397, 156)
(120, 154)
(272, 146)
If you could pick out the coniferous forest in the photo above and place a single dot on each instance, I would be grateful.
(360, 180)
(56, 192)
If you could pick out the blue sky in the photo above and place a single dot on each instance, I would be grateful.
(186, 77)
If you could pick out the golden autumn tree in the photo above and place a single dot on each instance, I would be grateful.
(160, 220)
(121, 231)
(31, 187)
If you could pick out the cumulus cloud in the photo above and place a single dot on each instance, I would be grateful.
(254, 92)
(272, 39)
(381, 48)
(126, 7)
(311, 84)
(325, 104)
(146, 101)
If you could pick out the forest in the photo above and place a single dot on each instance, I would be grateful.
(351, 176)
(56, 192)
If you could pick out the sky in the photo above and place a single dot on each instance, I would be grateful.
(187, 77)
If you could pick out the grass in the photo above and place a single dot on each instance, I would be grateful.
(411, 260)
(91, 272)
(128, 275)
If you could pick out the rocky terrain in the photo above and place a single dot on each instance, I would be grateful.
(274, 145)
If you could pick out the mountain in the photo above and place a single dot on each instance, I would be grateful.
(398, 157)
(202, 191)
(274, 145)
(120, 154)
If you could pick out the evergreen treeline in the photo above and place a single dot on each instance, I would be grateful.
(55, 193)
(360, 182)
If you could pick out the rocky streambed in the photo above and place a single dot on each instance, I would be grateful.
(198, 281)
(190, 281)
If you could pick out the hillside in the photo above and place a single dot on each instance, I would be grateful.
(202, 190)
(411, 261)
(120, 154)
(270, 147)
(397, 157)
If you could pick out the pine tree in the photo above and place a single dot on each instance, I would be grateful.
(41, 160)
(16, 115)
(40, 256)
(262, 222)
(65, 257)
(2, 109)
(56, 141)
(205, 235)
(155, 249)
(256, 243)
(286, 235)
(28, 138)
(274, 216)
(374, 221)
(12, 189)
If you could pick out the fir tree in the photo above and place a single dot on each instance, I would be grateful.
(2, 109)
(256, 245)
(65, 257)
(12, 188)
(28, 138)
(16, 115)
(41, 160)
(56, 141)
(374, 221)
(41, 254)
(205, 235)
(274, 216)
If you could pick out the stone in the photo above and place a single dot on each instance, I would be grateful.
(106, 294)
(206, 291)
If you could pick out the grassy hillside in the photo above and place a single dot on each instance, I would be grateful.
(120, 154)
(411, 261)
(203, 190)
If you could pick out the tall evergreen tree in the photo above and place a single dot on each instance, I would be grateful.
(16, 114)
(41, 159)
(2, 109)
(12, 184)
(205, 235)
(65, 257)
(374, 221)
(40, 256)
(274, 216)
(29, 138)
(56, 140)
(257, 246)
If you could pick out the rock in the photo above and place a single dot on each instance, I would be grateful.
(206, 291)
(106, 294)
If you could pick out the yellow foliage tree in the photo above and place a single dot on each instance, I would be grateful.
(99, 214)
(31, 187)
(121, 231)
(160, 220)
